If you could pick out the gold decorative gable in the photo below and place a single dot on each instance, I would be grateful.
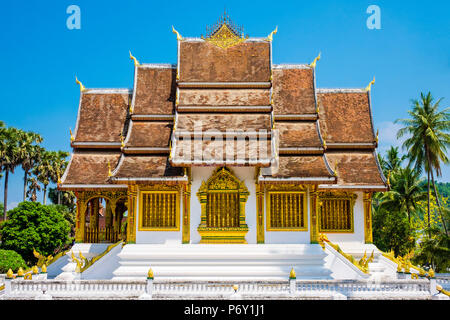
(224, 33)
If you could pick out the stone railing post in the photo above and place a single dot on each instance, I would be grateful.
(8, 286)
(292, 282)
(148, 294)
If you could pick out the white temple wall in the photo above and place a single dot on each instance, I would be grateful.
(158, 237)
(358, 224)
(247, 174)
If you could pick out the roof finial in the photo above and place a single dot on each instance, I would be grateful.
(179, 37)
(82, 88)
(71, 135)
(313, 64)
(136, 62)
(122, 144)
(270, 36)
(376, 138)
(292, 274)
(370, 84)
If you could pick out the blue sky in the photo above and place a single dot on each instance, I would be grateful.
(40, 56)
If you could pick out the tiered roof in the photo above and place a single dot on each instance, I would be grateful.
(316, 136)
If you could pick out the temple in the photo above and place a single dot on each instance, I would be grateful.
(227, 163)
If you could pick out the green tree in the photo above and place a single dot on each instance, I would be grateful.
(10, 259)
(391, 231)
(405, 191)
(9, 158)
(33, 225)
(66, 198)
(434, 251)
(428, 138)
(28, 153)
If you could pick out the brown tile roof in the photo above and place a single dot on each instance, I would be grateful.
(307, 167)
(293, 90)
(345, 117)
(153, 134)
(207, 152)
(89, 167)
(101, 117)
(224, 122)
(224, 97)
(356, 168)
(201, 61)
(145, 166)
(155, 90)
(298, 134)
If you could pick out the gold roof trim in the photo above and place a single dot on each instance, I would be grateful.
(225, 33)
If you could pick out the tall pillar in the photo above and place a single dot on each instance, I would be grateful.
(132, 213)
(80, 218)
(259, 213)
(367, 199)
(314, 214)
(186, 213)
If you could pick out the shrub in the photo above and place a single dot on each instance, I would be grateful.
(33, 225)
(10, 259)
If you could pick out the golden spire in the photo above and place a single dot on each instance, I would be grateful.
(82, 88)
(317, 107)
(388, 177)
(44, 268)
(150, 274)
(235, 288)
(370, 85)
(59, 178)
(292, 274)
(20, 272)
(122, 140)
(313, 64)
(431, 273)
(109, 171)
(179, 37)
(270, 36)
(136, 62)
(376, 138)
(10, 274)
(71, 135)
(35, 270)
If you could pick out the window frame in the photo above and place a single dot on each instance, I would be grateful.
(304, 213)
(177, 211)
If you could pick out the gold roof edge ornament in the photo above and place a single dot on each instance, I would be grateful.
(136, 62)
(370, 85)
(109, 169)
(71, 135)
(270, 36)
(179, 37)
(224, 33)
(313, 64)
(122, 142)
(376, 138)
(82, 88)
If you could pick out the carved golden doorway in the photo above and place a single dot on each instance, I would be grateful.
(222, 199)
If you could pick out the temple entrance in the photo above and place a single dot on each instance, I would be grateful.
(104, 222)
(222, 200)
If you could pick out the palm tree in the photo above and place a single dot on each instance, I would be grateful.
(405, 191)
(28, 154)
(42, 171)
(428, 141)
(393, 160)
(33, 188)
(9, 158)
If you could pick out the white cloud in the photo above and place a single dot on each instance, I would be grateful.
(12, 205)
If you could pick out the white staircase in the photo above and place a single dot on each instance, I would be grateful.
(222, 262)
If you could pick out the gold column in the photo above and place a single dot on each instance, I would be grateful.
(367, 199)
(314, 214)
(132, 200)
(186, 213)
(81, 217)
(259, 213)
